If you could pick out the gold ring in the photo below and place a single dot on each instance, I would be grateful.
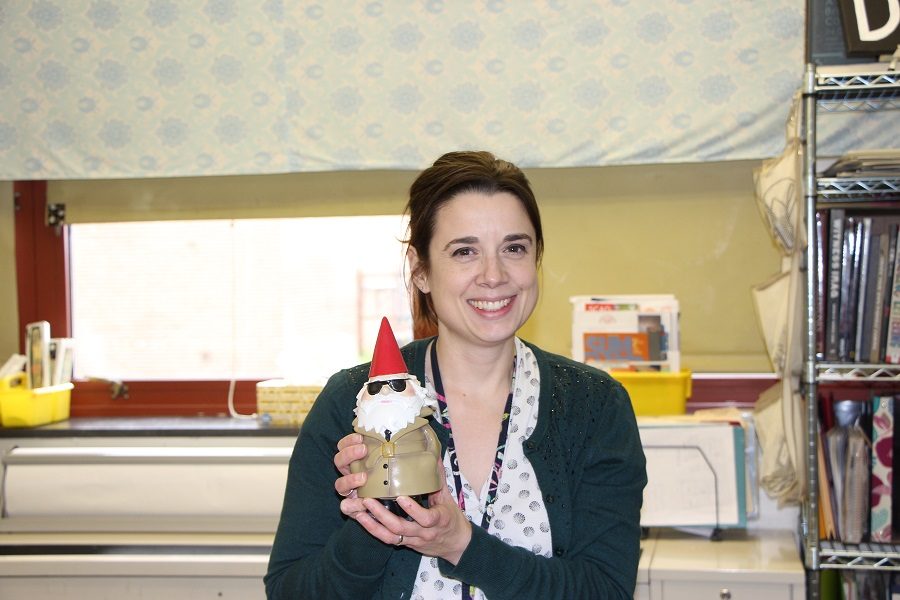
(400, 541)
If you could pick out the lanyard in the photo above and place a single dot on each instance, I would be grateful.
(468, 591)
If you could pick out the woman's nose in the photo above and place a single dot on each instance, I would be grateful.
(491, 271)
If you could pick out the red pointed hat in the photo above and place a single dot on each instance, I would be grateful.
(387, 359)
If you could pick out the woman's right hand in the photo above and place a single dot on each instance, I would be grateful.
(350, 449)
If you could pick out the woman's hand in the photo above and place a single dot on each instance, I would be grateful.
(442, 530)
(350, 449)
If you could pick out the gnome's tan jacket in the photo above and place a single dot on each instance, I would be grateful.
(404, 466)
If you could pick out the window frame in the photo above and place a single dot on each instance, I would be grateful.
(43, 293)
(42, 280)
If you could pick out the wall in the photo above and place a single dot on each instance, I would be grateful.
(9, 316)
(690, 229)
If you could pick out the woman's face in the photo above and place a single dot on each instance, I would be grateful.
(483, 276)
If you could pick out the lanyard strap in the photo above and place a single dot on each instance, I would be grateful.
(451, 445)
(468, 591)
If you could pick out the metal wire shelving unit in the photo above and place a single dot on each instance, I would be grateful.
(842, 88)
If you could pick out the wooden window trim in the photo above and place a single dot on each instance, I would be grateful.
(42, 279)
(42, 269)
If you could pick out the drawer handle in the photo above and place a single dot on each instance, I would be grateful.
(724, 594)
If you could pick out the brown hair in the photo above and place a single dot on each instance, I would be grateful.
(452, 174)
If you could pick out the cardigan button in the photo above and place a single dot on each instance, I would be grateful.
(559, 552)
(551, 499)
(529, 444)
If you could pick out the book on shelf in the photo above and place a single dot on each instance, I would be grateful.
(858, 299)
(854, 517)
(849, 274)
(821, 293)
(862, 337)
(826, 500)
(866, 163)
(836, 453)
(891, 269)
(835, 248)
(895, 457)
(880, 522)
(873, 319)
(892, 338)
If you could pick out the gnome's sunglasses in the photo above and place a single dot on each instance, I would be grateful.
(398, 385)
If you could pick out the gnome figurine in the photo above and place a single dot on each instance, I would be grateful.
(391, 414)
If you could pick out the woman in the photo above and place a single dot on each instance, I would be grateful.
(542, 464)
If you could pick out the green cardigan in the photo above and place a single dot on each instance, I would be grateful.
(586, 454)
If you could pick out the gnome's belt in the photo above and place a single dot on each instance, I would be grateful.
(388, 449)
(397, 448)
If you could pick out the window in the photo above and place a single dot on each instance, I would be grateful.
(234, 299)
(178, 311)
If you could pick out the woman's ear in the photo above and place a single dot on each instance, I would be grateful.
(417, 271)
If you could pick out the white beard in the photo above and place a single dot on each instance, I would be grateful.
(392, 415)
(389, 412)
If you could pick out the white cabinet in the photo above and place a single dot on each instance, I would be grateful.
(744, 566)
(701, 590)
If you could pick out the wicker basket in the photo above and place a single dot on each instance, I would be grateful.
(281, 402)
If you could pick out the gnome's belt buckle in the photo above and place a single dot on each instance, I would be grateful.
(388, 449)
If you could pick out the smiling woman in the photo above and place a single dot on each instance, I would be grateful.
(519, 460)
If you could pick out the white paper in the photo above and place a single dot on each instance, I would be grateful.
(14, 364)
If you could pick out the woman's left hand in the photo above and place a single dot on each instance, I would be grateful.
(442, 530)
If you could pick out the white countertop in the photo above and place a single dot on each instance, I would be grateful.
(740, 556)
(666, 554)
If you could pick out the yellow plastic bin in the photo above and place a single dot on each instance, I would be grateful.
(656, 392)
(22, 407)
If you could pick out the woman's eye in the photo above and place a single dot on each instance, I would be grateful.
(463, 252)
(516, 249)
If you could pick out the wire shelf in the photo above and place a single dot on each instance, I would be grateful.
(857, 372)
(835, 555)
(866, 189)
(869, 91)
